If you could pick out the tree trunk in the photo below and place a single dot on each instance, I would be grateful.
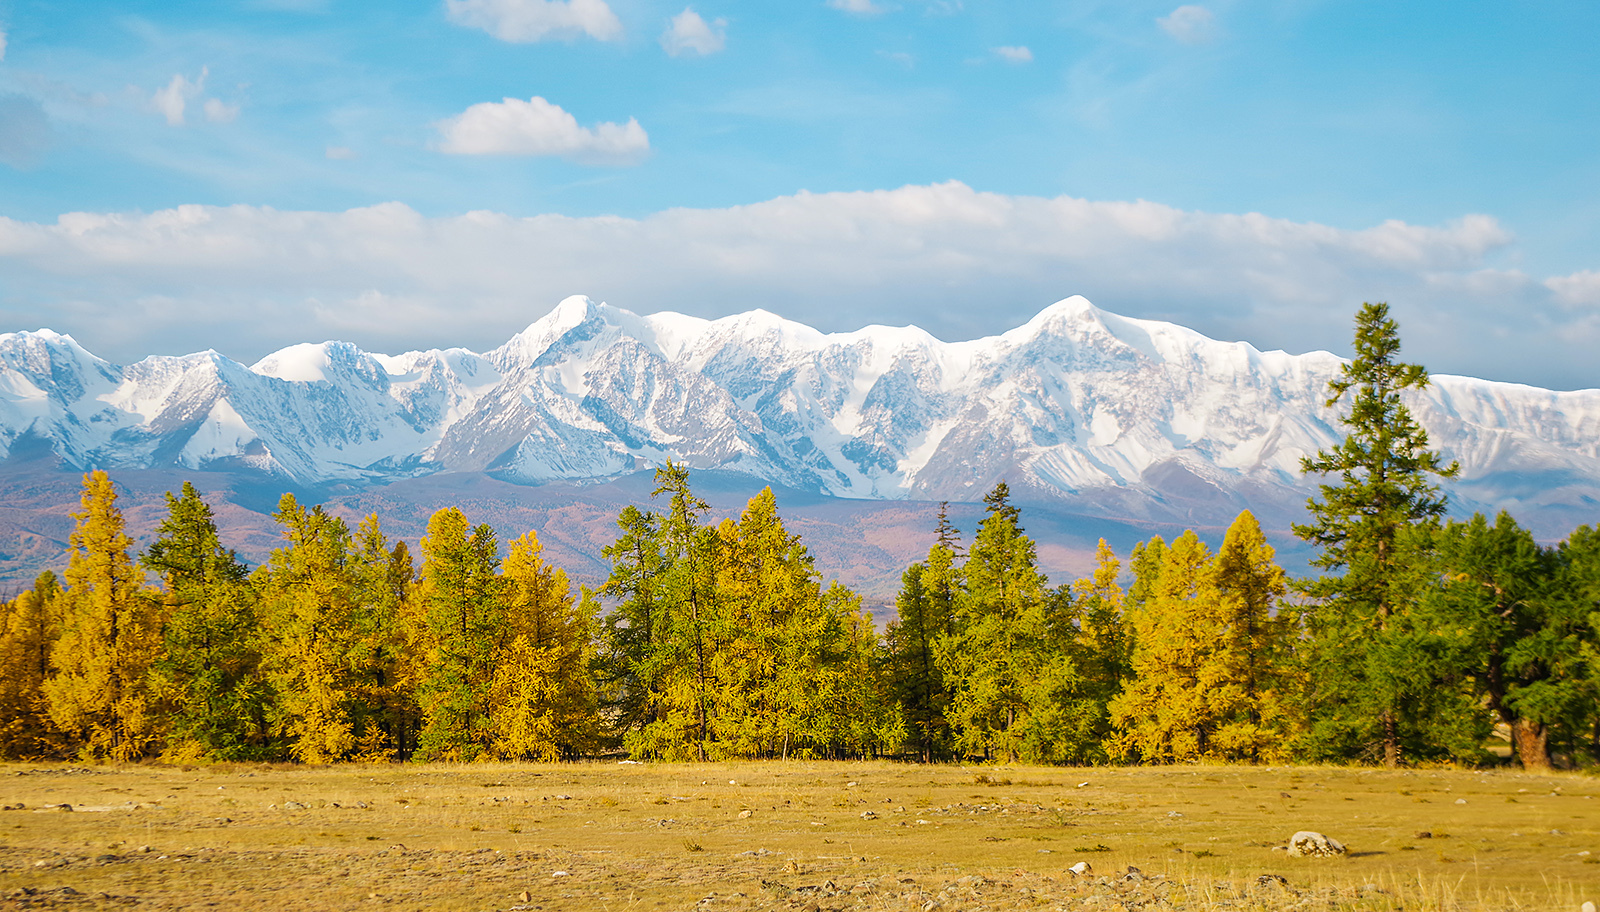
(1391, 740)
(1531, 740)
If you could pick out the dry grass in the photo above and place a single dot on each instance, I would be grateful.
(792, 836)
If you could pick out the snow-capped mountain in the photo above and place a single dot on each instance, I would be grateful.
(1132, 417)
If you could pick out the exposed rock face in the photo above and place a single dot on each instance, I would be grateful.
(1129, 418)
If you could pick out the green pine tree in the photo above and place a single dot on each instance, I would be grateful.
(464, 617)
(1373, 526)
(208, 673)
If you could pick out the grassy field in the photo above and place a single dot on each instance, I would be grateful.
(823, 836)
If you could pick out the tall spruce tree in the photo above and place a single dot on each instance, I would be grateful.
(208, 673)
(100, 691)
(635, 636)
(1104, 644)
(1373, 526)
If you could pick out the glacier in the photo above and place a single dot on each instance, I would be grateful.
(1116, 416)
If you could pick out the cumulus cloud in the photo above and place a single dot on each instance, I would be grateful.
(1190, 24)
(688, 33)
(859, 7)
(173, 99)
(220, 112)
(1578, 290)
(525, 21)
(959, 262)
(1017, 54)
(537, 127)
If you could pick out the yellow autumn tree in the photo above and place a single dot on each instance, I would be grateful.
(543, 700)
(1161, 714)
(29, 627)
(1247, 681)
(1209, 676)
(111, 632)
(308, 604)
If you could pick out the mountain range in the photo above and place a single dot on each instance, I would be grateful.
(1083, 412)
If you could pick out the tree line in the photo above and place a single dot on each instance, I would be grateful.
(721, 641)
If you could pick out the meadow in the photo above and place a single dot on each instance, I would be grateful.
(790, 835)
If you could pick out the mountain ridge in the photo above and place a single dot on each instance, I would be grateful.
(1114, 416)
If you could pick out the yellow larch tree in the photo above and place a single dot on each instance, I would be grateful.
(99, 693)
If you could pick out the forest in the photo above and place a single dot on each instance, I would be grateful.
(712, 640)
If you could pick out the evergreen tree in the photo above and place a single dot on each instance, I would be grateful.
(925, 613)
(463, 618)
(1008, 661)
(100, 691)
(1517, 614)
(207, 675)
(309, 605)
(29, 627)
(543, 702)
(1372, 527)
(1104, 644)
(385, 641)
(679, 664)
(636, 631)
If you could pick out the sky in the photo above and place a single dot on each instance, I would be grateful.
(242, 175)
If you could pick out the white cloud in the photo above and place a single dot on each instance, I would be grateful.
(1190, 24)
(959, 262)
(688, 33)
(537, 127)
(221, 112)
(172, 100)
(859, 7)
(1017, 54)
(341, 153)
(525, 21)
(1578, 290)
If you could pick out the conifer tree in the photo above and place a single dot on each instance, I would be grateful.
(1517, 615)
(1249, 688)
(680, 666)
(383, 670)
(309, 605)
(1161, 715)
(1008, 661)
(543, 701)
(463, 618)
(1103, 647)
(99, 693)
(1374, 528)
(207, 674)
(636, 631)
(29, 627)
(925, 613)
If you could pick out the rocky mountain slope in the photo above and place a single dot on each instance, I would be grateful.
(1122, 417)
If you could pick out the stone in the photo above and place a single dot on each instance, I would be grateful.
(1587, 907)
(745, 814)
(1081, 869)
(1272, 880)
(1461, 801)
(1311, 844)
(293, 806)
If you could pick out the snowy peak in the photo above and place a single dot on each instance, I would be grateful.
(1149, 417)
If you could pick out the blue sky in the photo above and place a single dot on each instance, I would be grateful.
(257, 173)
